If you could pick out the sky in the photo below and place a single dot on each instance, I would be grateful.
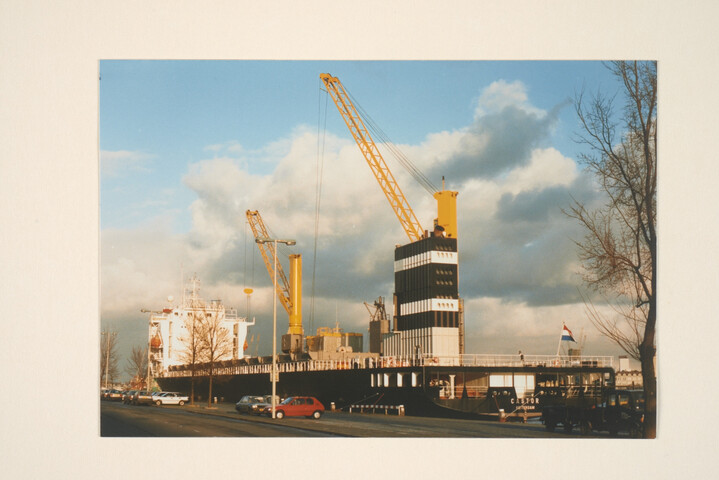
(186, 147)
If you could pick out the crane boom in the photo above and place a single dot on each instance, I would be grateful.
(259, 230)
(374, 159)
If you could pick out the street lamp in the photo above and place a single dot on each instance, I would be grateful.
(275, 241)
(420, 355)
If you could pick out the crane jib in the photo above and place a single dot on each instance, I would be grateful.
(374, 158)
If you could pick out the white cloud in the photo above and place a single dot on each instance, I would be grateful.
(518, 264)
(547, 168)
(357, 229)
(497, 326)
(140, 268)
(500, 95)
(506, 132)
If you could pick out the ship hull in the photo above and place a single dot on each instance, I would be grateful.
(449, 391)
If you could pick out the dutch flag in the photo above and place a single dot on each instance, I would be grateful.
(567, 334)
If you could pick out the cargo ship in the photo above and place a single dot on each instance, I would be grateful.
(467, 386)
(419, 365)
(422, 380)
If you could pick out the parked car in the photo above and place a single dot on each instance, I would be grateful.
(255, 404)
(142, 397)
(127, 396)
(266, 401)
(308, 407)
(243, 406)
(171, 398)
(114, 395)
(157, 395)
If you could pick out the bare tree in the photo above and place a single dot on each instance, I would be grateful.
(137, 365)
(216, 343)
(193, 341)
(108, 357)
(619, 249)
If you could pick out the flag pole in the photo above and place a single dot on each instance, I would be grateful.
(559, 345)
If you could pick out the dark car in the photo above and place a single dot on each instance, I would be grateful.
(308, 407)
(244, 405)
(127, 396)
(265, 401)
(142, 397)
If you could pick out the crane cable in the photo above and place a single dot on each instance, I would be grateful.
(321, 137)
(318, 193)
(415, 172)
(252, 278)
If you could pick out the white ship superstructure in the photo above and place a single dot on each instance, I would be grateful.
(170, 329)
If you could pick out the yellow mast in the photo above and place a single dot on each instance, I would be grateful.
(295, 295)
(447, 211)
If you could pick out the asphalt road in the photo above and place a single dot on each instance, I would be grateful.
(118, 420)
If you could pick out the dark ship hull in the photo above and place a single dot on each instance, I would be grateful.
(422, 390)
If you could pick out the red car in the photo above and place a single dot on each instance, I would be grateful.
(308, 407)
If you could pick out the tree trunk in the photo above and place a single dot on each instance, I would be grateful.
(647, 352)
(192, 386)
(650, 394)
(209, 397)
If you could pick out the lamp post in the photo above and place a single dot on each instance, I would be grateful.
(275, 241)
(420, 355)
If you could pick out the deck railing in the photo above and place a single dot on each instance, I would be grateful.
(535, 361)
(401, 362)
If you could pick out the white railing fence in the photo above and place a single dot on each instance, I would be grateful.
(472, 360)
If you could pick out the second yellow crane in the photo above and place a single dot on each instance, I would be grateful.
(289, 292)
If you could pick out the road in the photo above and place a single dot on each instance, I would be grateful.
(118, 420)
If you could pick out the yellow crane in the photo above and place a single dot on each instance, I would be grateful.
(289, 292)
(446, 200)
